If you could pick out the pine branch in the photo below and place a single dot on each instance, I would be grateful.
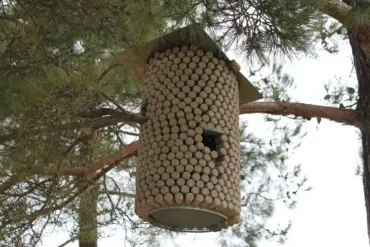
(67, 242)
(93, 123)
(128, 151)
(335, 9)
(124, 152)
(303, 110)
(118, 193)
(10, 182)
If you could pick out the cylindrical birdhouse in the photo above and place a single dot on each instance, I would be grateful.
(188, 171)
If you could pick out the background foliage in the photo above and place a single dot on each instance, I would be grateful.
(57, 65)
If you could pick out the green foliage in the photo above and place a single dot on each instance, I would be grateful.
(258, 29)
(340, 94)
(360, 13)
(57, 62)
(328, 33)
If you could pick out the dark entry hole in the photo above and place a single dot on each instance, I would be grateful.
(210, 137)
(209, 141)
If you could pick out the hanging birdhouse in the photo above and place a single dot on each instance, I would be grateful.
(188, 171)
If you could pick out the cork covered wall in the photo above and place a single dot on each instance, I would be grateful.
(189, 147)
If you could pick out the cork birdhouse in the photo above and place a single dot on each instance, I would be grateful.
(188, 171)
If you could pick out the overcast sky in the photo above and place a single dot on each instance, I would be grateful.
(333, 212)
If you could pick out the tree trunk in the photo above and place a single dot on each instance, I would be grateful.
(88, 224)
(360, 43)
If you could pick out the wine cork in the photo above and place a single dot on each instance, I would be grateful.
(179, 155)
(188, 109)
(228, 171)
(199, 184)
(205, 178)
(165, 137)
(189, 116)
(224, 205)
(202, 162)
(171, 155)
(174, 136)
(207, 150)
(180, 182)
(218, 188)
(180, 142)
(188, 154)
(198, 130)
(216, 202)
(159, 198)
(221, 195)
(147, 193)
(214, 172)
(228, 198)
(175, 162)
(192, 124)
(198, 119)
(175, 189)
(225, 190)
(165, 176)
(184, 189)
(169, 198)
(235, 219)
(199, 145)
(199, 71)
(173, 123)
(198, 168)
(208, 71)
(179, 198)
(186, 175)
(198, 199)
(195, 190)
(189, 197)
(214, 154)
(204, 191)
(207, 157)
(213, 193)
(156, 177)
(195, 176)
(183, 148)
(184, 161)
(165, 149)
(198, 155)
(207, 201)
(175, 175)
(180, 168)
(155, 191)
(206, 170)
(194, 77)
(151, 201)
(166, 163)
(189, 168)
(164, 190)
(190, 182)
(151, 185)
(184, 128)
(153, 170)
(193, 161)
(199, 100)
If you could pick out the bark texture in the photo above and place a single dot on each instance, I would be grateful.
(360, 43)
(303, 110)
(88, 223)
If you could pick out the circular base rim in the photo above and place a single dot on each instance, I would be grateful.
(154, 222)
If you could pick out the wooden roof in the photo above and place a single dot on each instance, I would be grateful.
(135, 58)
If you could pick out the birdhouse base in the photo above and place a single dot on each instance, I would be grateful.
(187, 218)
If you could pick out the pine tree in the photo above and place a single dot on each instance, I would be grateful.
(69, 112)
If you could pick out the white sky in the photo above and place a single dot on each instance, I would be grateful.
(333, 213)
